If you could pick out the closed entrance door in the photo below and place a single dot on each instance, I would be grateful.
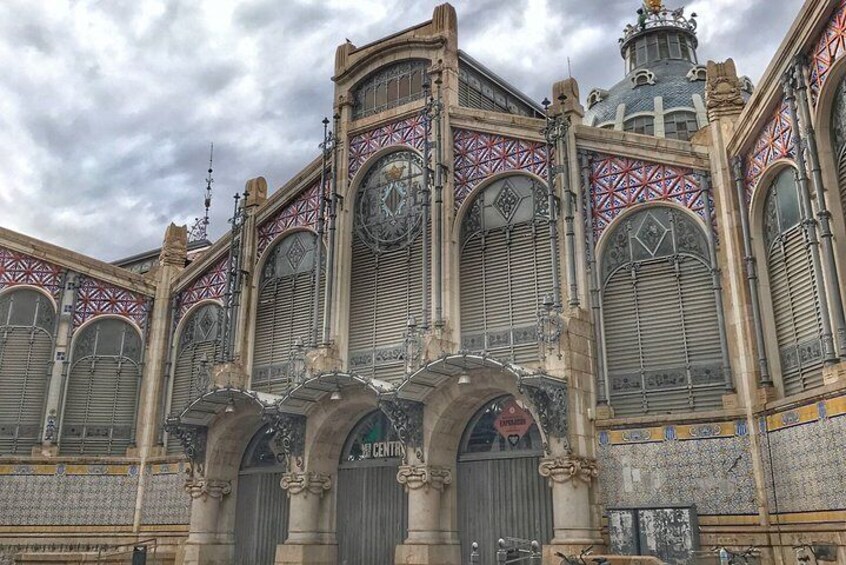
(500, 493)
(372, 517)
(261, 509)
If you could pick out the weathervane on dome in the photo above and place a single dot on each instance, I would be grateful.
(199, 231)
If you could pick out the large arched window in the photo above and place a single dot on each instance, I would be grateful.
(795, 301)
(506, 268)
(101, 399)
(285, 313)
(27, 321)
(838, 142)
(196, 353)
(659, 314)
(387, 270)
(389, 86)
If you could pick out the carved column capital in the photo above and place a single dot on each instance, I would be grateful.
(415, 477)
(200, 487)
(568, 468)
(305, 483)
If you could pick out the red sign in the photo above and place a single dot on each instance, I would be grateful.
(513, 422)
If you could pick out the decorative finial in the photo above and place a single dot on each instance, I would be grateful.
(653, 6)
(199, 231)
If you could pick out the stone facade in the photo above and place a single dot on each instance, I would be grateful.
(755, 466)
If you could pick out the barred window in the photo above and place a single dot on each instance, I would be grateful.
(659, 314)
(389, 87)
(680, 125)
(644, 125)
(101, 400)
(27, 322)
(506, 268)
(387, 272)
(285, 314)
(795, 302)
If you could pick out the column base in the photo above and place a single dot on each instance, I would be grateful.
(306, 554)
(418, 554)
(206, 554)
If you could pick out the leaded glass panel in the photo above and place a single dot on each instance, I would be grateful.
(389, 87)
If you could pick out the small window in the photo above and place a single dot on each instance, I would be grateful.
(389, 87)
(643, 77)
(680, 125)
(644, 125)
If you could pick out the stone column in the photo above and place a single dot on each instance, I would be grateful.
(308, 542)
(204, 545)
(570, 477)
(427, 542)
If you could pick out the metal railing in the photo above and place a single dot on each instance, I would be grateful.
(511, 551)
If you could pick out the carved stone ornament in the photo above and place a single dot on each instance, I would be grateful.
(305, 483)
(406, 417)
(723, 90)
(415, 477)
(550, 399)
(193, 440)
(199, 487)
(175, 246)
(290, 429)
(568, 468)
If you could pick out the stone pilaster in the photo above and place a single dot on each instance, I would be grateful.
(205, 545)
(570, 477)
(426, 542)
(308, 502)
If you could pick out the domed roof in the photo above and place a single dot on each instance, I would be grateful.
(663, 74)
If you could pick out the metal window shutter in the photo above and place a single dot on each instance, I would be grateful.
(100, 407)
(473, 281)
(795, 310)
(186, 376)
(25, 355)
(841, 170)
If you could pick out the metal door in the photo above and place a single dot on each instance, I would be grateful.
(261, 509)
(372, 517)
(500, 492)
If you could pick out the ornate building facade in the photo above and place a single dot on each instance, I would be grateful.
(471, 317)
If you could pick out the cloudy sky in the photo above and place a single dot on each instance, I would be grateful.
(107, 107)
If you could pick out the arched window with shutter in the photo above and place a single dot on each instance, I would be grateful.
(27, 322)
(196, 353)
(387, 273)
(285, 313)
(659, 315)
(838, 141)
(795, 302)
(506, 268)
(101, 398)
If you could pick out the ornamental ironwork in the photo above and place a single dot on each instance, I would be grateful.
(388, 210)
(406, 417)
(550, 399)
(193, 439)
(289, 431)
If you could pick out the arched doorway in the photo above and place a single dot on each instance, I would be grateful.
(261, 509)
(372, 506)
(500, 492)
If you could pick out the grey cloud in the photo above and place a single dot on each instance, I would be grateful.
(106, 135)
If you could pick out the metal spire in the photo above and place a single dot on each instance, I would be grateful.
(199, 231)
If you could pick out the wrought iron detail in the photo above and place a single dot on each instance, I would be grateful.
(288, 430)
(550, 400)
(193, 439)
(406, 417)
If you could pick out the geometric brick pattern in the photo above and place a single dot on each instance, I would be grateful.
(409, 132)
(95, 297)
(775, 141)
(479, 155)
(301, 211)
(617, 183)
(17, 268)
(830, 46)
(209, 285)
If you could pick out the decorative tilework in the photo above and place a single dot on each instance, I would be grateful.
(830, 47)
(210, 285)
(480, 155)
(301, 211)
(95, 297)
(165, 499)
(714, 474)
(17, 268)
(403, 132)
(775, 141)
(617, 183)
(67, 499)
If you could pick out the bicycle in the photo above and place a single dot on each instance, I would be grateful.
(728, 557)
(580, 559)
